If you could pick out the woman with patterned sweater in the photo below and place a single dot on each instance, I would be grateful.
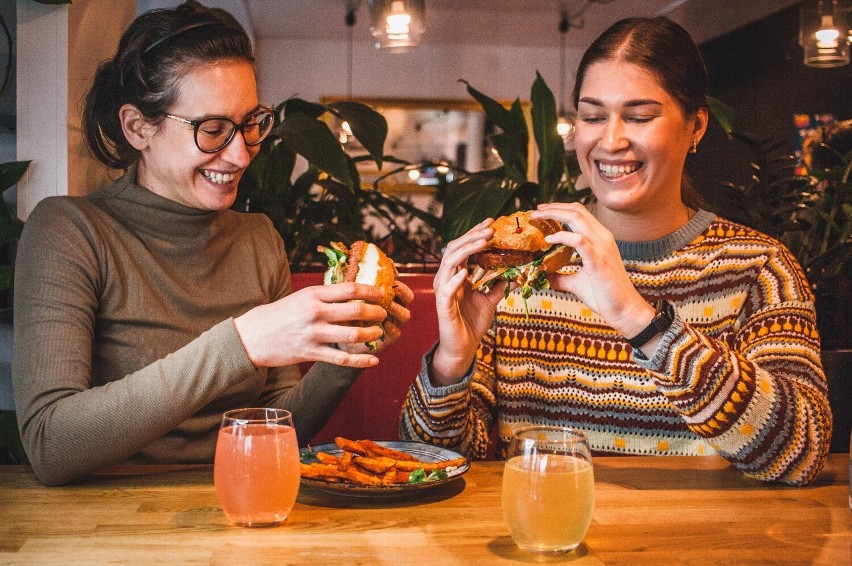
(673, 332)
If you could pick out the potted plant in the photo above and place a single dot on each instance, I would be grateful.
(514, 185)
(809, 210)
(327, 201)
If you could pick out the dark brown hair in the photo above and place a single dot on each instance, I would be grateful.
(158, 48)
(667, 51)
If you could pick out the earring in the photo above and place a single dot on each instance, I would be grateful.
(694, 148)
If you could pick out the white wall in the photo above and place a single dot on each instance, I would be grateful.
(313, 69)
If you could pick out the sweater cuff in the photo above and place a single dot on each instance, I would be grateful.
(657, 362)
(436, 393)
(233, 351)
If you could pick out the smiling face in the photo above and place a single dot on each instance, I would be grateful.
(632, 138)
(173, 167)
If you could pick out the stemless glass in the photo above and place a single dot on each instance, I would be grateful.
(256, 467)
(548, 488)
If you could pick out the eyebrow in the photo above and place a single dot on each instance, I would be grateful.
(629, 103)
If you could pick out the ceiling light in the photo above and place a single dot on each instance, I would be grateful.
(823, 33)
(397, 24)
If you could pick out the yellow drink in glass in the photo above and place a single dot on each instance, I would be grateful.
(548, 489)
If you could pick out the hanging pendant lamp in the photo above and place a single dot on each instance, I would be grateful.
(823, 33)
(564, 122)
(397, 24)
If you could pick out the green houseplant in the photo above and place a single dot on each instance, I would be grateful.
(514, 185)
(809, 210)
(327, 202)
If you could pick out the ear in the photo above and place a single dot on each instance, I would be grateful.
(137, 130)
(699, 126)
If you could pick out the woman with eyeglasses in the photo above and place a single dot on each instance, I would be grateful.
(146, 309)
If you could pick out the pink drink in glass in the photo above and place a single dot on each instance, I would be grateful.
(256, 469)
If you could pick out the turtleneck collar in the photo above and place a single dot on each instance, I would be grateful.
(151, 212)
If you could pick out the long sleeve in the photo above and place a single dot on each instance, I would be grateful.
(125, 347)
(737, 374)
(458, 417)
(759, 393)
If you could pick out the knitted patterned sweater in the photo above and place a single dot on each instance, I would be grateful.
(738, 373)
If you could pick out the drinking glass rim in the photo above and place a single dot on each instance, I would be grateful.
(279, 415)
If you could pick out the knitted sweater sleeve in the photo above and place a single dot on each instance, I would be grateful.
(759, 396)
(458, 417)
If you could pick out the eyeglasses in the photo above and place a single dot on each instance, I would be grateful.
(213, 134)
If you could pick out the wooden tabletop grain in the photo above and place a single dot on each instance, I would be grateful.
(649, 510)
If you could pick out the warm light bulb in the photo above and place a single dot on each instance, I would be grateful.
(564, 127)
(414, 174)
(827, 38)
(398, 22)
(827, 35)
(442, 169)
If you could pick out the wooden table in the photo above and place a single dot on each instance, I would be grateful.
(651, 510)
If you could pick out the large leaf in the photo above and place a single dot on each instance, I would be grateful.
(368, 126)
(512, 149)
(723, 114)
(11, 172)
(474, 198)
(513, 144)
(551, 148)
(312, 139)
(294, 106)
(494, 111)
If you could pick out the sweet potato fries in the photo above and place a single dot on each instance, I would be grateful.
(365, 462)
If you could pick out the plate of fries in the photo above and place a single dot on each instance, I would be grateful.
(384, 468)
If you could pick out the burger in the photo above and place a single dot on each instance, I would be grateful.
(365, 263)
(518, 253)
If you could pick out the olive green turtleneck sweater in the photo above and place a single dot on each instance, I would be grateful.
(125, 346)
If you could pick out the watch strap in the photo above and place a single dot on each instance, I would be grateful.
(663, 318)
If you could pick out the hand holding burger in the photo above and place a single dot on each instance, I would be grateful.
(365, 263)
(519, 253)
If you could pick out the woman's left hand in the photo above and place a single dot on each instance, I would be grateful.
(398, 316)
(601, 282)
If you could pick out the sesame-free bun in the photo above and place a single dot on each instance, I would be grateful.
(518, 231)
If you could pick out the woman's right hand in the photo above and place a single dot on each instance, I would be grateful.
(307, 324)
(464, 315)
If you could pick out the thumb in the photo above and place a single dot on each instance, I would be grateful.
(562, 282)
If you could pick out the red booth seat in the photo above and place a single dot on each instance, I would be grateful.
(371, 408)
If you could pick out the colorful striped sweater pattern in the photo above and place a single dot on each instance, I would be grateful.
(737, 374)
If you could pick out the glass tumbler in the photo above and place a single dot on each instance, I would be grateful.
(256, 467)
(548, 488)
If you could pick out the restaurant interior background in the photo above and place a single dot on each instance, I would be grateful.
(303, 49)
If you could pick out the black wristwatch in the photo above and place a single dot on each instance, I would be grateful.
(663, 318)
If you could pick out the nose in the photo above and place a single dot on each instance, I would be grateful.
(612, 138)
(237, 152)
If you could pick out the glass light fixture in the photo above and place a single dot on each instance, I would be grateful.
(564, 122)
(397, 24)
(351, 7)
(823, 33)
